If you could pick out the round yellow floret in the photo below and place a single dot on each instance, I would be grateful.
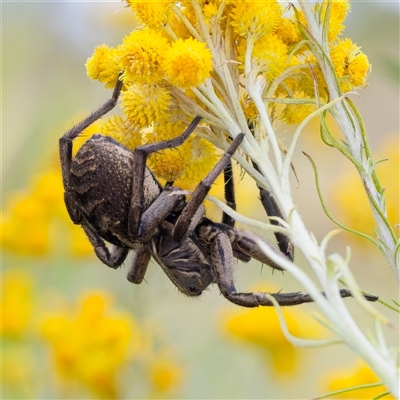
(187, 63)
(255, 18)
(288, 31)
(104, 65)
(123, 131)
(351, 63)
(296, 113)
(338, 12)
(188, 163)
(140, 56)
(145, 104)
(155, 14)
(271, 56)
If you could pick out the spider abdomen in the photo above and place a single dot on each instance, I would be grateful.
(101, 186)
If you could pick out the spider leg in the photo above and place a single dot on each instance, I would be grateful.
(243, 243)
(139, 264)
(112, 259)
(272, 209)
(223, 267)
(140, 155)
(283, 299)
(65, 143)
(185, 218)
(229, 192)
(158, 211)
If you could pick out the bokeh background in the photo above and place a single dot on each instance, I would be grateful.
(73, 328)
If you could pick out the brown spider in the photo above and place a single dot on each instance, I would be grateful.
(115, 197)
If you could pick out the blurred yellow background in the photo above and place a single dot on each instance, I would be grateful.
(73, 328)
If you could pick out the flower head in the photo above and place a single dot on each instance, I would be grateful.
(91, 346)
(104, 65)
(351, 64)
(140, 56)
(155, 14)
(187, 163)
(16, 300)
(187, 63)
(145, 104)
(255, 19)
(338, 10)
(123, 131)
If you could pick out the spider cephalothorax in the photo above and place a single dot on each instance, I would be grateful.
(115, 197)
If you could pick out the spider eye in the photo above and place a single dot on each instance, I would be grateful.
(193, 291)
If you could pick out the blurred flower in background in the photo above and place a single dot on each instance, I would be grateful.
(90, 345)
(356, 374)
(35, 221)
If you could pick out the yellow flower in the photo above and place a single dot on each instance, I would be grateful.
(351, 65)
(357, 374)
(140, 56)
(123, 131)
(93, 346)
(155, 14)
(202, 158)
(104, 65)
(287, 31)
(210, 11)
(255, 19)
(338, 13)
(85, 135)
(187, 63)
(187, 163)
(27, 216)
(179, 27)
(38, 215)
(271, 56)
(145, 104)
(16, 300)
(296, 113)
(168, 164)
(165, 374)
(79, 245)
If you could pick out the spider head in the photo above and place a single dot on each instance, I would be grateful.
(192, 283)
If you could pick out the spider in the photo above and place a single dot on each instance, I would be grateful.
(115, 197)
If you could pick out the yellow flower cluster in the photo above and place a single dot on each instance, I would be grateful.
(189, 58)
(16, 302)
(93, 345)
(150, 65)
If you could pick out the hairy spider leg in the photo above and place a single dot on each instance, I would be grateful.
(272, 209)
(229, 193)
(140, 155)
(66, 141)
(185, 218)
(139, 263)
